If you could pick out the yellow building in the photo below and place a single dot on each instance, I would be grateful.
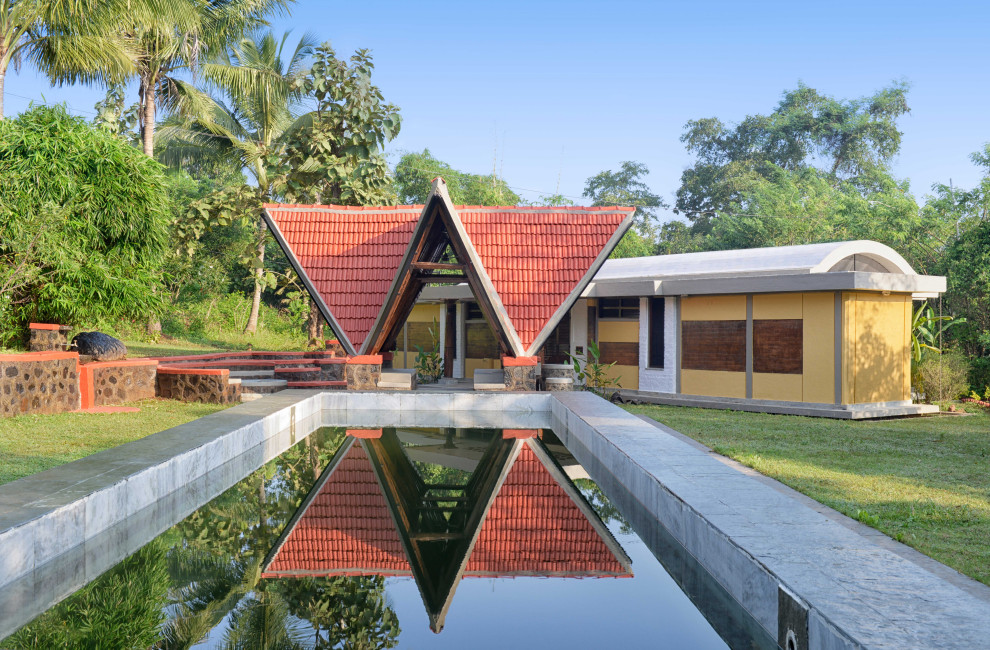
(823, 329)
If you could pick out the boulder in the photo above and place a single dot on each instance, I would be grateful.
(100, 346)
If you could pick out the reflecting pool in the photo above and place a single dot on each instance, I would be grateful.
(406, 537)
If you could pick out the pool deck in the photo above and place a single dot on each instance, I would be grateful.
(797, 567)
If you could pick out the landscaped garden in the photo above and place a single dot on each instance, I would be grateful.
(922, 481)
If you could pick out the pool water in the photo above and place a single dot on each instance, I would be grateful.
(411, 538)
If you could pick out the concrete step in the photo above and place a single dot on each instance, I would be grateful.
(262, 386)
(250, 397)
(252, 374)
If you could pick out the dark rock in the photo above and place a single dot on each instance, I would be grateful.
(100, 346)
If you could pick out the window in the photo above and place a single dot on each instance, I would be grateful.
(473, 312)
(618, 308)
(656, 333)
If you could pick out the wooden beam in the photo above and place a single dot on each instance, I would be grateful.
(437, 266)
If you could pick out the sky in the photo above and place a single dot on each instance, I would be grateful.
(550, 93)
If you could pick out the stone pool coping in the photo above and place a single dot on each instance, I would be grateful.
(767, 547)
(770, 551)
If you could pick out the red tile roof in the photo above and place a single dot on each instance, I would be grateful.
(533, 528)
(537, 256)
(347, 529)
(350, 254)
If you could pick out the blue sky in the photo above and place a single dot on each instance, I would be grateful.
(567, 89)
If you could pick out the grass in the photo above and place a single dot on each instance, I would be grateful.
(33, 443)
(923, 481)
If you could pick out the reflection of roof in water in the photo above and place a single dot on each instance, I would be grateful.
(533, 528)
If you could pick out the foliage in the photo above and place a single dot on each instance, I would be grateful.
(415, 172)
(344, 612)
(626, 187)
(429, 364)
(943, 377)
(966, 264)
(115, 118)
(85, 220)
(848, 141)
(592, 373)
(601, 504)
(124, 609)
(927, 330)
(336, 154)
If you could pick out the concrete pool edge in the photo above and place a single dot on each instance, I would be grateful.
(771, 552)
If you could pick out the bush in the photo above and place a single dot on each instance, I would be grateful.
(979, 373)
(943, 377)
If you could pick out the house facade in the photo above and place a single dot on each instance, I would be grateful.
(821, 329)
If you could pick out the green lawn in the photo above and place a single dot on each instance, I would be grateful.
(32, 443)
(923, 481)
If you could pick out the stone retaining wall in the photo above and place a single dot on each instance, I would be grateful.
(209, 386)
(46, 337)
(38, 382)
(114, 382)
(363, 372)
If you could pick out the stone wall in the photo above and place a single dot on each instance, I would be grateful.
(520, 373)
(331, 369)
(47, 337)
(38, 382)
(209, 386)
(115, 382)
(363, 372)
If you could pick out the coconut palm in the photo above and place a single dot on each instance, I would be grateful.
(63, 38)
(255, 104)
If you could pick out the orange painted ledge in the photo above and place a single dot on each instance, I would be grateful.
(121, 363)
(367, 434)
(44, 326)
(515, 362)
(38, 356)
(110, 409)
(519, 434)
(369, 359)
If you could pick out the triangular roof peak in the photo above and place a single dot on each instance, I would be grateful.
(526, 265)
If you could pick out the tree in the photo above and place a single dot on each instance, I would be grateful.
(847, 141)
(337, 154)
(62, 37)
(259, 97)
(627, 187)
(415, 173)
(967, 267)
(104, 208)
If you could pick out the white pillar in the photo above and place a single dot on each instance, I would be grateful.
(460, 340)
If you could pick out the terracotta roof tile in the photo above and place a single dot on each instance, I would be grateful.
(350, 254)
(535, 257)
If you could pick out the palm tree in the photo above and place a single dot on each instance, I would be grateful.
(255, 106)
(64, 38)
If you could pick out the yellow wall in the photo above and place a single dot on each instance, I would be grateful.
(470, 365)
(817, 381)
(713, 308)
(716, 383)
(876, 348)
(421, 313)
(621, 331)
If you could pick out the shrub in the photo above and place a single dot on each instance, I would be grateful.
(979, 374)
(943, 376)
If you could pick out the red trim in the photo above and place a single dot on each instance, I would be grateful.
(366, 359)
(169, 370)
(513, 362)
(519, 434)
(315, 384)
(43, 326)
(365, 433)
(332, 361)
(38, 356)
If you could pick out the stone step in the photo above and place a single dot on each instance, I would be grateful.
(298, 373)
(331, 385)
(252, 374)
(262, 386)
(250, 397)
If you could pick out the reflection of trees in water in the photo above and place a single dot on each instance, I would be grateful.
(124, 609)
(601, 505)
(206, 571)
